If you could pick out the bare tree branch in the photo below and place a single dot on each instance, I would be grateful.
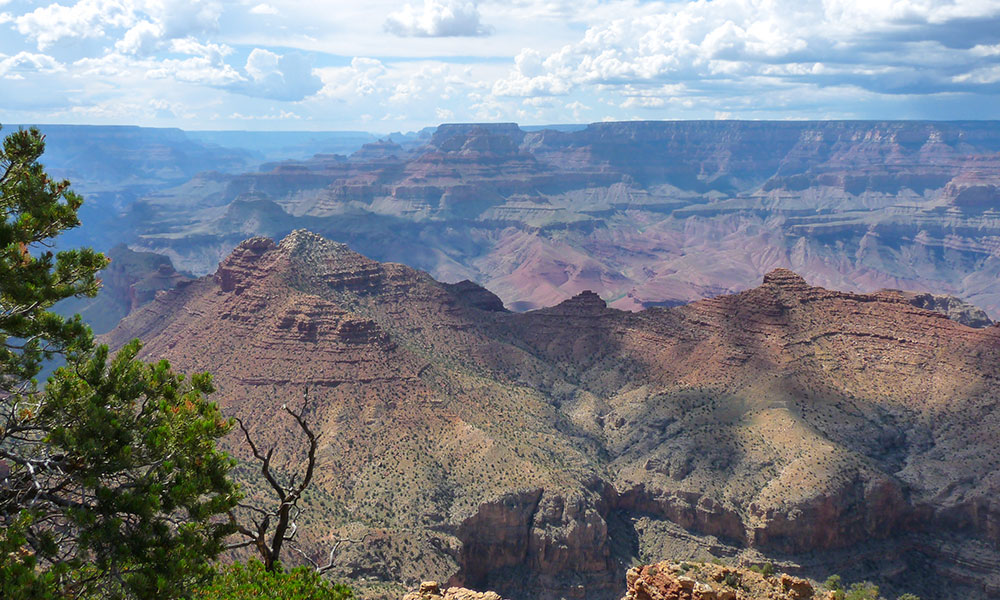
(270, 541)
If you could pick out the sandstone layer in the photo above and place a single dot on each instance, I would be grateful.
(538, 454)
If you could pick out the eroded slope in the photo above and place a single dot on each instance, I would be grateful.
(538, 453)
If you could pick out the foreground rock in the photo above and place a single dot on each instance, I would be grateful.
(431, 590)
(683, 581)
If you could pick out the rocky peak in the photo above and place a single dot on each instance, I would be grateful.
(318, 263)
(785, 279)
(303, 240)
(476, 296)
(380, 150)
(498, 138)
(584, 303)
(238, 267)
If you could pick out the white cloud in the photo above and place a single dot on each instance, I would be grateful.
(533, 76)
(184, 18)
(15, 67)
(141, 39)
(85, 19)
(282, 115)
(985, 75)
(279, 77)
(559, 60)
(437, 18)
(985, 50)
(97, 19)
(193, 47)
(736, 41)
(262, 63)
(362, 78)
(199, 69)
(263, 9)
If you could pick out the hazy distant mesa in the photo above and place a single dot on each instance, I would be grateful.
(644, 214)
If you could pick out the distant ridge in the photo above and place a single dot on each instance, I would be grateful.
(646, 213)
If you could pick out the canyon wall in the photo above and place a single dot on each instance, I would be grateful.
(539, 454)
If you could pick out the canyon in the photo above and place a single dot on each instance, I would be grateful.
(642, 213)
(539, 454)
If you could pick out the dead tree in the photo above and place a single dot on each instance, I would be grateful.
(333, 553)
(270, 528)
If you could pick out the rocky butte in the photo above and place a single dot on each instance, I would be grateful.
(642, 213)
(539, 454)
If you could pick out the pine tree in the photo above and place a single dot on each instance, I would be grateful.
(111, 484)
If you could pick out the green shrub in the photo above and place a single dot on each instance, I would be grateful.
(767, 569)
(833, 583)
(252, 582)
(864, 590)
(909, 597)
(732, 580)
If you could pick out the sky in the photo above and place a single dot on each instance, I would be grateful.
(387, 65)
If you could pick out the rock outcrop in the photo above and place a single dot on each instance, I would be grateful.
(703, 581)
(431, 590)
(131, 280)
(954, 308)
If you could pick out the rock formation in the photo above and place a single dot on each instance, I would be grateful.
(431, 590)
(685, 581)
(131, 280)
(952, 307)
(538, 454)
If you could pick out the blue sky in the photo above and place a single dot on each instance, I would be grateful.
(382, 66)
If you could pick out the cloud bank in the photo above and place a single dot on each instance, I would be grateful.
(388, 64)
(891, 48)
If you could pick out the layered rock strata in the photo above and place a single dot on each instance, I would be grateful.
(643, 213)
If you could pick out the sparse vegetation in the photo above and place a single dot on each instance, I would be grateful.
(864, 590)
(253, 581)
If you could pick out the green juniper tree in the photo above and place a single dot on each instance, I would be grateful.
(253, 581)
(111, 485)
